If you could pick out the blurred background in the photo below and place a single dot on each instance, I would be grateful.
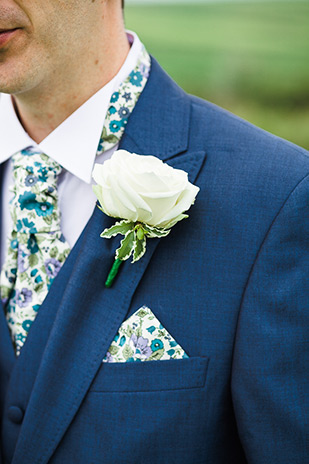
(250, 57)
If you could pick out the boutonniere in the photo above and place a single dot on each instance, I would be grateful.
(147, 196)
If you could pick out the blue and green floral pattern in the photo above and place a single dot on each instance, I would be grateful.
(36, 246)
(123, 102)
(143, 338)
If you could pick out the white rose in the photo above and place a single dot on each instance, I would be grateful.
(143, 189)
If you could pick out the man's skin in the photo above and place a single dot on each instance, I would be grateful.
(52, 69)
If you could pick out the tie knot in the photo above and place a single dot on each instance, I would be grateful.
(32, 167)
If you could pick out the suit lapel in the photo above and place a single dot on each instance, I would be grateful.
(160, 122)
(89, 314)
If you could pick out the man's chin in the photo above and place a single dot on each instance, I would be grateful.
(9, 85)
(17, 67)
(14, 79)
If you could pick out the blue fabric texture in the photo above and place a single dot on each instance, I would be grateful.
(230, 284)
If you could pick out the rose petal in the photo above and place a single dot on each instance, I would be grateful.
(143, 188)
(184, 202)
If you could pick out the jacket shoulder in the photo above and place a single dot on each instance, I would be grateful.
(222, 133)
(249, 173)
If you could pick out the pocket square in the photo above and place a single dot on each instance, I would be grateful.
(143, 338)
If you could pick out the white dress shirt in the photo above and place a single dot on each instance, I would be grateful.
(73, 145)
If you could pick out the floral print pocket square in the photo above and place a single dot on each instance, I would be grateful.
(143, 338)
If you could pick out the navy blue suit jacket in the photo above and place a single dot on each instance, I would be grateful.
(230, 284)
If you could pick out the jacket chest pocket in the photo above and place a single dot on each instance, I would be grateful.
(179, 374)
(137, 412)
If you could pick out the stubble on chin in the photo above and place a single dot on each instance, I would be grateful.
(18, 70)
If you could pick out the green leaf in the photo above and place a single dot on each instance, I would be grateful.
(48, 220)
(127, 352)
(5, 292)
(39, 287)
(23, 276)
(139, 332)
(140, 233)
(129, 331)
(113, 350)
(126, 246)
(40, 238)
(33, 260)
(139, 249)
(142, 313)
(111, 139)
(121, 227)
(53, 252)
(153, 232)
(63, 256)
(156, 355)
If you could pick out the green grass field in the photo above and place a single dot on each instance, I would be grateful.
(250, 58)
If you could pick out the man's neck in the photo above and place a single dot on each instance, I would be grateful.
(44, 108)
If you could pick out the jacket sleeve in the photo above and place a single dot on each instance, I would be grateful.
(270, 363)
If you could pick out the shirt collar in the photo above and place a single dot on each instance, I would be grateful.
(74, 143)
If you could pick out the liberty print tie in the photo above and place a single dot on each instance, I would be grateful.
(36, 247)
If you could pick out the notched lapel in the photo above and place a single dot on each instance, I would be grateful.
(160, 122)
(90, 314)
(85, 325)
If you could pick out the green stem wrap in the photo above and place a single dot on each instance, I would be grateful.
(113, 273)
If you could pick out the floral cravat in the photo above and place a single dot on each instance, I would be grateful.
(36, 246)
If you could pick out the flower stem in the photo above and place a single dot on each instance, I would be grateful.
(113, 273)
